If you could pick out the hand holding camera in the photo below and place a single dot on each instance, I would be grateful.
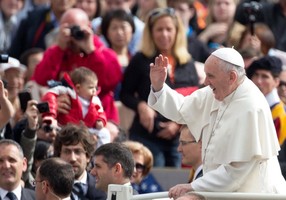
(75, 37)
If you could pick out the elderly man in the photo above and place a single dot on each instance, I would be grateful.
(54, 180)
(233, 119)
(113, 164)
(12, 165)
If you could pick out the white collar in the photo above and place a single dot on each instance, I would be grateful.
(272, 98)
(83, 178)
(17, 191)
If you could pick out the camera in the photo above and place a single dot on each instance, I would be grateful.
(76, 33)
(252, 9)
(4, 58)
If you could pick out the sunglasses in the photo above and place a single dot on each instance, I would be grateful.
(139, 167)
(159, 12)
(282, 83)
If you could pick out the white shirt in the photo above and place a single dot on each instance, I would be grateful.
(239, 142)
(17, 191)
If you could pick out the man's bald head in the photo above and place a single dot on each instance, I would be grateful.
(75, 16)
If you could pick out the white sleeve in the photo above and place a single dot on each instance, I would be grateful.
(154, 96)
(226, 178)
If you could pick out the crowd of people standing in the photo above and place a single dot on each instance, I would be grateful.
(91, 61)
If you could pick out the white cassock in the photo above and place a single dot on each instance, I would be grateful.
(239, 142)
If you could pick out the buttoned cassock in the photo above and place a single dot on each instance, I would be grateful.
(239, 142)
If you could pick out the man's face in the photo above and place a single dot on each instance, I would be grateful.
(264, 80)
(15, 81)
(102, 173)
(189, 149)
(76, 156)
(12, 165)
(218, 80)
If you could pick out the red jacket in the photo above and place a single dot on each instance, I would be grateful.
(102, 61)
(75, 115)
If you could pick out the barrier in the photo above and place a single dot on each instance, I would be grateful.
(124, 192)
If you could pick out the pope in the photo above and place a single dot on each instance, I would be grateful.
(232, 118)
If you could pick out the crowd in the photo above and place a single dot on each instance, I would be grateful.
(127, 86)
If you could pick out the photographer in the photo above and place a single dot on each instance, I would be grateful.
(271, 13)
(77, 46)
(29, 131)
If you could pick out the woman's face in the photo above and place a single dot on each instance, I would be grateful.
(138, 171)
(164, 34)
(10, 7)
(223, 10)
(89, 6)
(119, 33)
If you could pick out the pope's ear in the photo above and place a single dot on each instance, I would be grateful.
(233, 76)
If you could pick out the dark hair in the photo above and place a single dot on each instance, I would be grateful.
(117, 153)
(26, 54)
(59, 174)
(72, 134)
(118, 14)
(7, 142)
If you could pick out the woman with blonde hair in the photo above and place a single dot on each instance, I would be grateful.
(142, 180)
(164, 34)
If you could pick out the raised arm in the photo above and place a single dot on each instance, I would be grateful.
(158, 72)
(6, 108)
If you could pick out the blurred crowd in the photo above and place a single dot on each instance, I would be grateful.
(77, 79)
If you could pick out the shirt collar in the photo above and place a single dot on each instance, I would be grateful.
(17, 191)
(83, 178)
(272, 98)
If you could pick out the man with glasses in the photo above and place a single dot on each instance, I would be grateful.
(54, 180)
(191, 152)
(12, 165)
(76, 145)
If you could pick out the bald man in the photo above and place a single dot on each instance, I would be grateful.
(232, 118)
(77, 46)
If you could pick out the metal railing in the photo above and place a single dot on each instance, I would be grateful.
(124, 192)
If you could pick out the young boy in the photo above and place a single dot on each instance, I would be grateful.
(81, 86)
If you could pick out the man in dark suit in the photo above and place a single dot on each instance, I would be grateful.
(54, 180)
(12, 165)
(76, 145)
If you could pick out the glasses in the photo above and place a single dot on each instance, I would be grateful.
(77, 152)
(48, 128)
(159, 12)
(183, 143)
(282, 83)
(139, 167)
(34, 182)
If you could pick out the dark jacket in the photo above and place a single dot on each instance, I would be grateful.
(32, 31)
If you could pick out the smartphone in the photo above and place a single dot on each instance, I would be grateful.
(24, 97)
(43, 107)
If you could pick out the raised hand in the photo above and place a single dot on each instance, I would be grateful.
(158, 72)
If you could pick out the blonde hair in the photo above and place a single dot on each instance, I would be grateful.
(179, 50)
(139, 148)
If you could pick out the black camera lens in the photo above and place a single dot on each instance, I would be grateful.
(47, 128)
(4, 58)
(76, 33)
